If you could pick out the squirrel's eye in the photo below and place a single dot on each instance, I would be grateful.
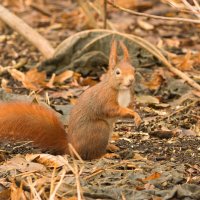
(117, 72)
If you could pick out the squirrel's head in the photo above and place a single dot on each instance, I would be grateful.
(121, 73)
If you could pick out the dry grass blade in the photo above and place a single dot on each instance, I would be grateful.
(53, 194)
(73, 153)
(194, 9)
(185, 5)
(33, 189)
(155, 16)
(52, 181)
(76, 171)
(78, 184)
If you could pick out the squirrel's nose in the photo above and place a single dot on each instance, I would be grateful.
(131, 80)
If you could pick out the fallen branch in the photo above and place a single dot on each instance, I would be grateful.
(27, 32)
(157, 53)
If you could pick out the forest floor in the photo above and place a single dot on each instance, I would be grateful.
(158, 160)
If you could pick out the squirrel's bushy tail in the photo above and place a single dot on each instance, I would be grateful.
(32, 122)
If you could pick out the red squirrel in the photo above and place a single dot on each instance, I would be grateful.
(90, 122)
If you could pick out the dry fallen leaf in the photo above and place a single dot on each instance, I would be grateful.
(147, 99)
(72, 198)
(172, 43)
(87, 81)
(153, 176)
(149, 186)
(46, 159)
(112, 148)
(35, 77)
(16, 74)
(21, 164)
(64, 76)
(111, 156)
(156, 80)
(5, 194)
(17, 193)
(145, 25)
(32, 80)
(184, 63)
(137, 156)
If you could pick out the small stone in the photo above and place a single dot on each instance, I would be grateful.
(172, 159)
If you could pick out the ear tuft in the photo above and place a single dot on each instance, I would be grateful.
(113, 55)
(125, 51)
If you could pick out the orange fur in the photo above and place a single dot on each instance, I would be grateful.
(91, 120)
(32, 122)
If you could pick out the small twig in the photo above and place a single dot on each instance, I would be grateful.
(105, 14)
(47, 100)
(123, 196)
(180, 109)
(94, 174)
(198, 117)
(21, 63)
(154, 16)
(24, 144)
(101, 14)
(99, 171)
(44, 11)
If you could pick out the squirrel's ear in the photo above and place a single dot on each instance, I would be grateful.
(125, 51)
(113, 55)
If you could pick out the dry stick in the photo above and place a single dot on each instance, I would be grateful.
(183, 76)
(26, 31)
(105, 14)
(154, 16)
(151, 48)
(40, 9)
(100, 13)
(179, 73)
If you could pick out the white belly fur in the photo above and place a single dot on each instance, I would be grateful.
(124, 98)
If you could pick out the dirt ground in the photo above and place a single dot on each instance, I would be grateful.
(158, 160)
